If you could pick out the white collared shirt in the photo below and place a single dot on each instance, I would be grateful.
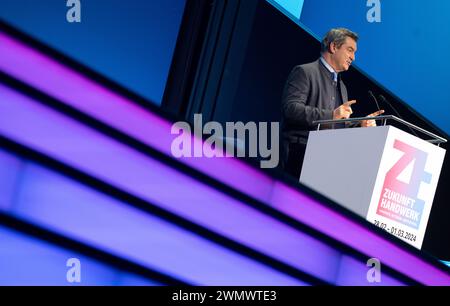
(330, 69)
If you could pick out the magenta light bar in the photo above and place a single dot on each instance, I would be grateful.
(71, 88)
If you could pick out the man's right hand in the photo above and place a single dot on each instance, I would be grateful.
(344, 111)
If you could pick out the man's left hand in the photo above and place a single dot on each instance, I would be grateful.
(369, 123)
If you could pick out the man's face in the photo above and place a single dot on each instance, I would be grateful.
(344, 56)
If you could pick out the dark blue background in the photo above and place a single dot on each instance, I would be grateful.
(131, 42)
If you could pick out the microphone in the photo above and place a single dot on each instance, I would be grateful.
(384, 100)
(375, 99)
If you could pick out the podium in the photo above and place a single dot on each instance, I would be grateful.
(383, 174)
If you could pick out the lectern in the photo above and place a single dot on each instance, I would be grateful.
(384, 174)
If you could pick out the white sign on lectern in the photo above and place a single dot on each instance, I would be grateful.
(385, 175)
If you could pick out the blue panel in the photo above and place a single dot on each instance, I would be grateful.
(131, 42)
(27, 261)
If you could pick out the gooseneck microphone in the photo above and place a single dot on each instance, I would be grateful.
(384, 100)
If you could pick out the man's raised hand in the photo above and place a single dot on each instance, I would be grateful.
(344, 111)
(369, 123)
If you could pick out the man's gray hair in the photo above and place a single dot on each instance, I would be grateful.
(338, 37)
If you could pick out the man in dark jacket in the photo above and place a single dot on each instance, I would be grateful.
(315, 91)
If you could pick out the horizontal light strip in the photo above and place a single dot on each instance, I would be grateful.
(70, 142)
(27, 261)
(62, 205)
(39, 71)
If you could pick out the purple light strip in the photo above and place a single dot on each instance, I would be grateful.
(69, 208)
(38, 70)
(27, 261)
(91, 152)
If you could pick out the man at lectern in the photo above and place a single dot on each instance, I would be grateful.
(315, 91)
